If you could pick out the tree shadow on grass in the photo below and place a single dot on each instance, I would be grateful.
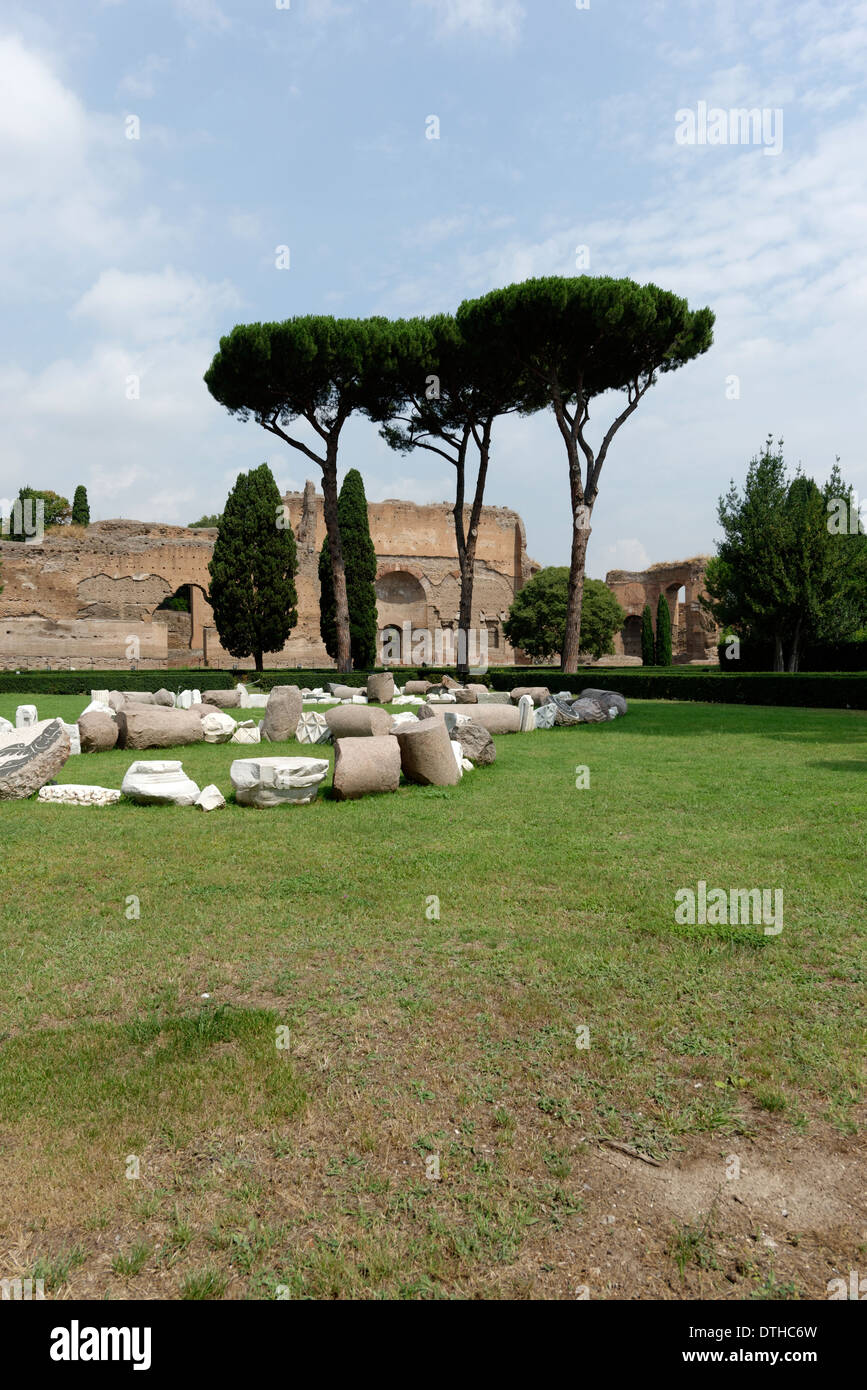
(688, 720)
(839, 765)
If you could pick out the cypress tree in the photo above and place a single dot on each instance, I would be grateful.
(80, 507)
(359, 559)
(648, 641)
(663, 632)
(253, 569)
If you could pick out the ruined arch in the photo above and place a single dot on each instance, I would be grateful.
(693, 634)
(185, 627)
(402, 595)
(402, 604)
(631, 636)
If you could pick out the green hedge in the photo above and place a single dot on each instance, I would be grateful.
(829, 690)
(507, 677)
(82, 682)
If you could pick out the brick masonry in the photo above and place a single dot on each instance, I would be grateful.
(91, 596)
(693, 632)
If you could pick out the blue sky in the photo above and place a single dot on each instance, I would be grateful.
(306, 126)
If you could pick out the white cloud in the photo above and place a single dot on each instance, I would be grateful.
(625, 555)
(246, 226)
(153, 306)
(44, 129)
(68, 180)
(71, 422)
(205, 13)
(777, 252)
(499, 18)
(323, 11)
(429, 487)
(140, 82)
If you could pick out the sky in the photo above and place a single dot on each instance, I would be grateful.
(155, 157)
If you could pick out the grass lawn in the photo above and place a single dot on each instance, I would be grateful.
(424, 1041)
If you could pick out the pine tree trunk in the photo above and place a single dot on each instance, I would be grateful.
(778, 652)
(257, 657)
(465, 618)
(468, 557)
(338, 573)
(571, 643)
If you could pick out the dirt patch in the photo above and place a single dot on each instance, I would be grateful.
(774, 1216)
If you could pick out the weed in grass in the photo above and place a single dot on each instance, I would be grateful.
(181, 1232)
(147, 1207)
(134, 1262)
(54, 1270)
(559, 1108)
(691, 1245)
(771, 1288)
(557, 1163)
(768, 1099)
(204, 1284)
(99, 1220)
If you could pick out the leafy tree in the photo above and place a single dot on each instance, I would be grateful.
(452, 383)
(648, 641)
(784, 574)
(177, 603)
(663, 632)
(570, 341)
(602, 616)
(537, 616)
(253, 569)
(315, 371)
(213, 520)
(80, 507)
(359, 559)
(56, 511)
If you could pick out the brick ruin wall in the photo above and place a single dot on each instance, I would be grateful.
(90, 596)
(693, 632)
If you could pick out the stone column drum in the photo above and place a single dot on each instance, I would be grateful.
(537, 693)
(498, 719)
(97, 732)
(282, 712)
(527, 714)
(358, 721)
(380, 687)
(363, 766)
(151, 726)
(426, 754)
